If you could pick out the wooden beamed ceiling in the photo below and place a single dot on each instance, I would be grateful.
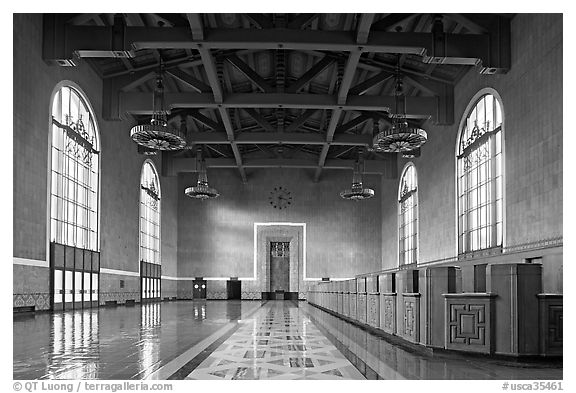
(285, 90)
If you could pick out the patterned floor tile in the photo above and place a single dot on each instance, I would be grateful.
(279, 342)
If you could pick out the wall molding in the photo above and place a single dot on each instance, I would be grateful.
(534, 245)
(30, 262)
(512, 249)
(118, 272)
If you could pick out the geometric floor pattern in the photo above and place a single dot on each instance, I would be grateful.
(278, 342)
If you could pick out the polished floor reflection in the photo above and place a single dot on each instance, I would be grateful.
(231, 340)
(278, 342)
(116, 343)
(377, 358)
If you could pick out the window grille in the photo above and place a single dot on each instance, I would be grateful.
(280, 249)
(74, 172)
(408, 217)
(149, 215)
(480, 177)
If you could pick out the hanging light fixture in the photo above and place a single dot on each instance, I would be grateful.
(358, 192)
(201, 190)
(156, 135)
(412, 153)
(400, 137)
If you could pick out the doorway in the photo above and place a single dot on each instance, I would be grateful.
(74, 277)
(234, 289)
(199, 291)
(279, 259)
(279, 269)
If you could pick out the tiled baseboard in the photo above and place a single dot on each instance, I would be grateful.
(40, 301)
(118, 297)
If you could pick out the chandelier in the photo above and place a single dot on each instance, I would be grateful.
(357, 192)
(400, 137)
(201, 190)
(156, 135)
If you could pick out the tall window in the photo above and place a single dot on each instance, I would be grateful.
(149, 215)
(75, 160)
(480, 177)
(74, 243)
(150, 270)
(408, 216)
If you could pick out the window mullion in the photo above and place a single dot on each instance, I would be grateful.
(493, 202)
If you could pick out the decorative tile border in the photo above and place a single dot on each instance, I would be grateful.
(251, 295)
(119, 297)
(543, 243)
(169, 294)
(40, 300)
(216, 295)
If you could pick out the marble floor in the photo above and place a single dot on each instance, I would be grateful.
(224, 340)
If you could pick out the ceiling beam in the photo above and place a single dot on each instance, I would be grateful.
(230, 133)
(371, 167)
(82, 18)
(352, 123)
(195, 22)
(113, 86)
(210, 68)
(465, 21)
(189, 80)
(260, 20)
(217, 151)
(421, 86)
(195, 114)
(301, 120)
(369, 83)
(105, 41)
(141, 103)
(262, 122)
(250, 74)
(378, 65)
(391, 20)
(349, 72)
(363, 29)
(277, 138)
(336, 113)
(301, 20)
(310, 74)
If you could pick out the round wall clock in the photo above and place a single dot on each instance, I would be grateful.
(280, 198)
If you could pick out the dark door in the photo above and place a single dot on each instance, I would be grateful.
(233, 287)
(279, 266)
(199, 291)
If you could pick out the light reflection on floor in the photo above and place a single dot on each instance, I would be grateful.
(280, 340)
(115, 343)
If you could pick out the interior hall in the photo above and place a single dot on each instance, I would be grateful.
(335, 196)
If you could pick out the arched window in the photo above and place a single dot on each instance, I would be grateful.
(74, 183)
(480, 222)
(75, 162)
(150, 232)
(408, 216)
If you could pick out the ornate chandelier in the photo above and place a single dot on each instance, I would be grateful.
(201, 190)
(400, 137)
(156, 135)
(357, 192)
